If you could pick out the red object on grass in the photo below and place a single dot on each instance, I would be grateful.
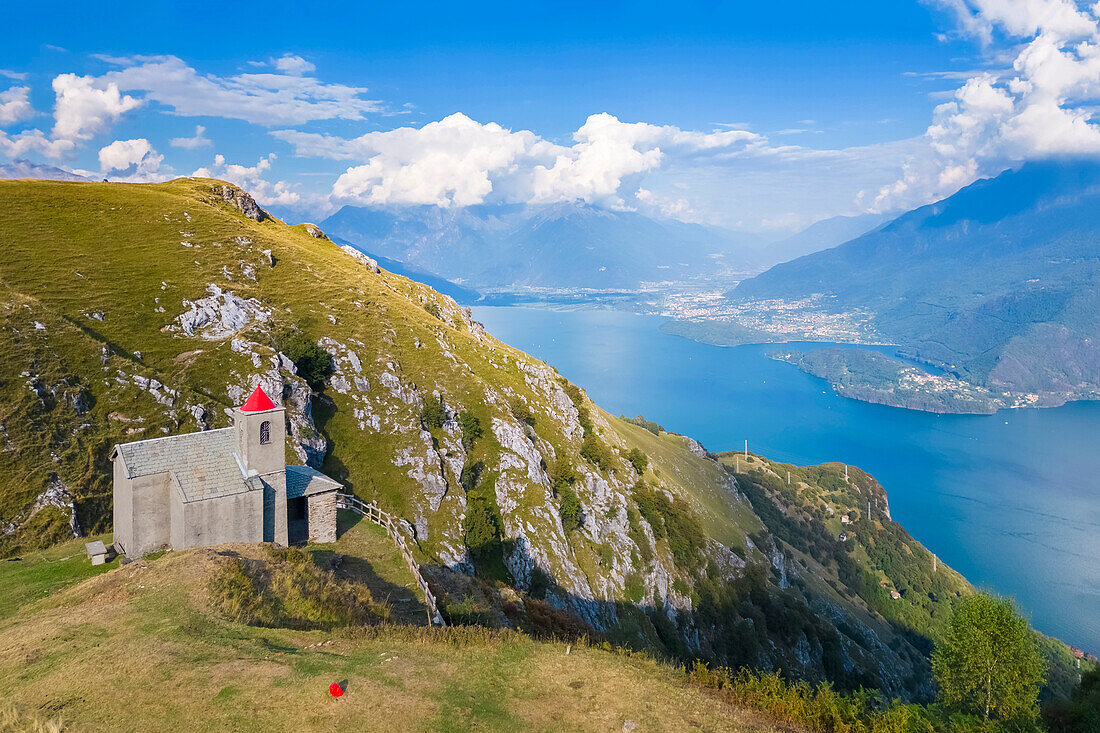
(335, 689)
(257, 402)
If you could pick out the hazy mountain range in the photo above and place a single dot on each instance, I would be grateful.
(558, 246)
(1000, 283)
(26, 169)
(571, 245)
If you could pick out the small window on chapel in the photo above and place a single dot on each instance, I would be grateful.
(265, 432)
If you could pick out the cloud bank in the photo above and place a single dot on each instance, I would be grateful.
(1041, 107)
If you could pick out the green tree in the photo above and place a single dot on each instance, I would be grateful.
(638, 459)
(312, 362)
(570, 508)
(471, 428)
(988, 664)
(434, 412)
(480, 528)
(595, 452)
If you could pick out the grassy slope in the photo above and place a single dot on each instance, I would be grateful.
(139, 649)
(74, 249)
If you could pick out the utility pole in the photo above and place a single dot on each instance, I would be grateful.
(845, 471)
(737, 463)
(746, 450)
(788, 478)
(934, 562)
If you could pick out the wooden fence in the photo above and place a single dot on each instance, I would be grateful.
(383, 519)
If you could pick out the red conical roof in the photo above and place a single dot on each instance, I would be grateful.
(257, 402)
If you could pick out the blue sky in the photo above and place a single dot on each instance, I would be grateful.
(752, 116)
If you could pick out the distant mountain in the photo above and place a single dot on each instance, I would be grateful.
(558, 246)
(823, 235)
(999, 284)
(26, 169)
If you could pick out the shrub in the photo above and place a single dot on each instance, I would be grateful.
(471, 428)
(595, 452)
(434, 412)
(522, 412)
(643, 423)
(312, 363)
(471, 475)
(673, 521)
(480, 529)
(434, 310)
(638, 459)
(569, 508)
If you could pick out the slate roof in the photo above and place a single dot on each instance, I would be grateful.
(203, 465)
(304, 481)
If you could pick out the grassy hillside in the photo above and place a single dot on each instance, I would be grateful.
(133, 311)
(139, 648)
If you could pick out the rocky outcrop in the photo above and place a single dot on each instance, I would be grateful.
(57, 495)
(219, 315)
(370, 263)
(241, 201)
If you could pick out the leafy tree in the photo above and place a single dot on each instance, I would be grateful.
(434, 412)
(312, 363)
(471, 428)
(988, 664)
(638, 459)
(481, 529)
(595, 452)
(1081, 713)
(522, 412)
(569, 508)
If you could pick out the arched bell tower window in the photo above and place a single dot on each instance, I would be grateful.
(265, 432)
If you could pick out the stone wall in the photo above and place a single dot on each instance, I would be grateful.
(322, 517)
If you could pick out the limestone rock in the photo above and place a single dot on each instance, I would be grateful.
(220, 314)
(370, 263)
(57, 495)
(241, 201)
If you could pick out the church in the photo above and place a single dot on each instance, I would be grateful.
(217, 486)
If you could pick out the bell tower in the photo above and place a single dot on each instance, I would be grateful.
(261, 434)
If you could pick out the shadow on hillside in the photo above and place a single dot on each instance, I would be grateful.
(744, 622)
(405, 605)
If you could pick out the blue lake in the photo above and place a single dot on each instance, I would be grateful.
(1011, 500)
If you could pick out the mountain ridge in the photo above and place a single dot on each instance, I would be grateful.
(162, 305)
(997, 284)
(560, 246)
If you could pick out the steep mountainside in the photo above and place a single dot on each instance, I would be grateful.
(999, 284)
(133, 311)
(559, 246)
(820, 236)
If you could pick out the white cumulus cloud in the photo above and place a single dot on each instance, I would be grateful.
(458, 161)
(293, 65)
(1040, 108)
(136, 160)
(31, 142)
(15, 105)
(86, 106)
(199, 140)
